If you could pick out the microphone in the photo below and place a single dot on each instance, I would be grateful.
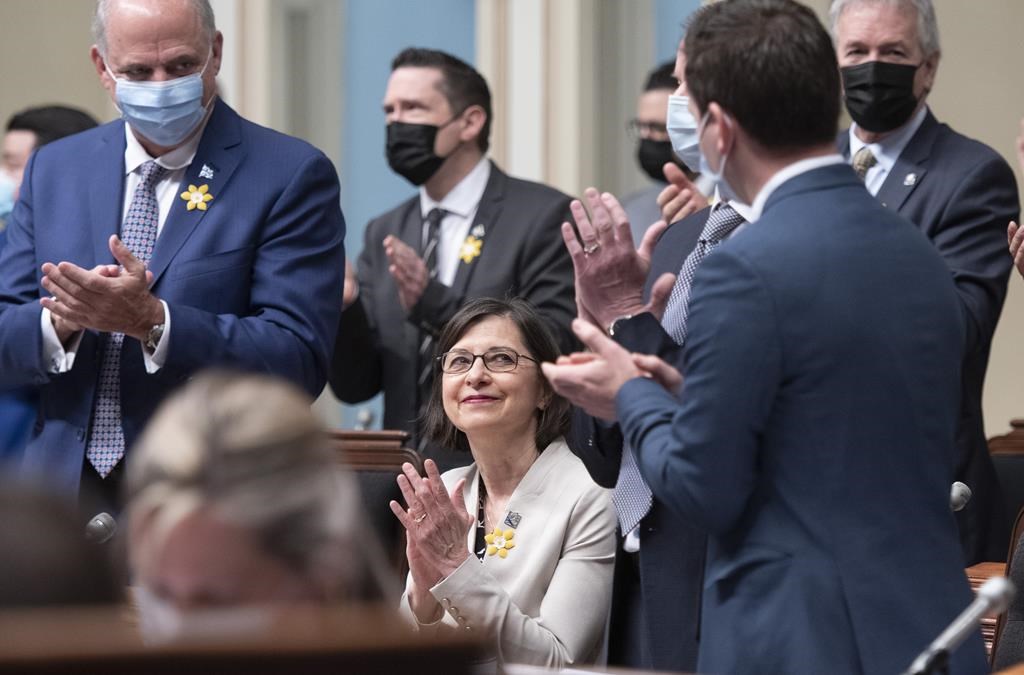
(993, 598)
(101, 528)
(959, 495)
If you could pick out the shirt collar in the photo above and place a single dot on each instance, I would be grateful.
(887, 150)
(463, 199)
(791, 171)
(135, 155)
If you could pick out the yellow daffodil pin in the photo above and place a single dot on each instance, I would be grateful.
(197, 197)
(470, 249)
(500, 542)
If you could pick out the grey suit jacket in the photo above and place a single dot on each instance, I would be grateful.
(962, 194)
(522, 255)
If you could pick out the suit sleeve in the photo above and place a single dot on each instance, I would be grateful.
(575, 607)
(700, 457)
(356, 367)
(973, 243)
(597, 443)
(21, 353)
(295, 287)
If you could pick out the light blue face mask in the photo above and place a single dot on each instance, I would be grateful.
(725, 191)
(682, 131)
(6, 196)
(164, 112)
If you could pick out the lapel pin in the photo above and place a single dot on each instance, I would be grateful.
(512, 519)
(477, 231)
(910, 179)
(206, 172)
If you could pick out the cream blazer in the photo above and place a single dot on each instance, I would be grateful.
(546, 601)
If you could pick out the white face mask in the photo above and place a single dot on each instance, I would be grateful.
(725, 191)
(682, 131)
(7, 187)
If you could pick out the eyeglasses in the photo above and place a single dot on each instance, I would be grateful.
(497, 360)
(640, 129)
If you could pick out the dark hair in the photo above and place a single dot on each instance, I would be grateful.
(552, 422)
(461, 84)
(771, 65)
(662, 77)
(51, 122)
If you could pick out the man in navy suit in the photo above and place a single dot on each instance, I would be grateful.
(814, 439)
(143, 251)
(959, 192)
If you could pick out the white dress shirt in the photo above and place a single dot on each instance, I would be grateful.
(167, 190)
(886, 151)
(461, 205)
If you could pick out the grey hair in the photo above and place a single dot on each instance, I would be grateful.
(927, 25)
(202, 8)
(249, 450)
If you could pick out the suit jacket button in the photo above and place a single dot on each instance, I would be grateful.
(81, 434)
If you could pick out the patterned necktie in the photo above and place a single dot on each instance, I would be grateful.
(425, 356)
(138, 232)
(721, 223)
(632, 496)
(863, 161)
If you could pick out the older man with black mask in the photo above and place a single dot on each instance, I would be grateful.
(959, 192)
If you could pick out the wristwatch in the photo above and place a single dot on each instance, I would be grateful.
(153, 337)
(615, 321)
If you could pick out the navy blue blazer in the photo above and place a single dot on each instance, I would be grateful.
(961, 194)
(252, 283)
(815, 441)
(671, 557)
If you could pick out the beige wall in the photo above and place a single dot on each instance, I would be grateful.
(979, 93)
(44, 57)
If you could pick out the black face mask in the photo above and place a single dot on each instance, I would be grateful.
(653, 155)
(410, 151)
(879, 95)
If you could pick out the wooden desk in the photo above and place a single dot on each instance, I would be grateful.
(295, 640)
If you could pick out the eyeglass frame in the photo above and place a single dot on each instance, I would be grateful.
(639, 129)
(483, 359)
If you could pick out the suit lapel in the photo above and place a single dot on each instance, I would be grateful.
(484, 222)
(910, 167)
(216, 159)
(106, 195)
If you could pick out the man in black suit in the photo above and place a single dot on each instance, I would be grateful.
(959, 192)
(637, 296)
(472, 231)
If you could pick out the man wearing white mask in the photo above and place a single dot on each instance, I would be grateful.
(178, 238)
(631, 293)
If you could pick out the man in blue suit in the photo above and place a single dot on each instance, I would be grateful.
(815, 437)
(959, 192)
(145, 250)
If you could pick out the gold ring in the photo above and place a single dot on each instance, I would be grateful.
(590, 248)
(419, 519)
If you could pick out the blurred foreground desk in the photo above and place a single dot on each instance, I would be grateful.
(304, 640)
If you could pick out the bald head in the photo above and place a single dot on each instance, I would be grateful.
(106, 9)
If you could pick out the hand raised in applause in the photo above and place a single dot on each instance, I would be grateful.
(436, 526)
(408, 270)
(107, 299)
(609, 272)
(680, 197)
(1015, 237)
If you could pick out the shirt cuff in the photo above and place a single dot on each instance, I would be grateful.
(158, 358)
(58, 358)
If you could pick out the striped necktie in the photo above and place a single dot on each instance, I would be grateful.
(425, 355)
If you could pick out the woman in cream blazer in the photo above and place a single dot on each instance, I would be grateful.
(519, 546)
